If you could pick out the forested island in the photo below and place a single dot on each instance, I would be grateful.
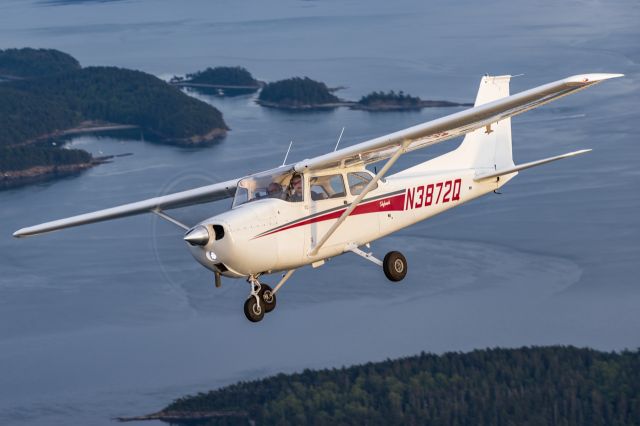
(298, 94)
(220, 81)
(50, 95)
(534, 386)
(392, 101)
(307, 94)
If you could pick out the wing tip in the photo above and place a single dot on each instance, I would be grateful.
(580, 151)
(20, 233)
(592, 78)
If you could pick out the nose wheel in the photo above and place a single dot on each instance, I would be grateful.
(262, 300)
(267, 297)
(253, 309)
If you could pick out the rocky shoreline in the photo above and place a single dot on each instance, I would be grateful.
(192, 416)
(358, 106)
(400, 107)
(16, 178)
(303, 107)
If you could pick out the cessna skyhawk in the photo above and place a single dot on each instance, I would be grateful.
(308, 212)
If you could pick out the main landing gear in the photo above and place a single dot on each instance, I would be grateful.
(394, 264)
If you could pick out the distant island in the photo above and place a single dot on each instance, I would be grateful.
(307, 94)
(392, 101)
(220, 81)
(298, 94)
(50, 96)
(535, 386)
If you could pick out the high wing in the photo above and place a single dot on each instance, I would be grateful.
(203, 194)
(453, 125)
(377, 149)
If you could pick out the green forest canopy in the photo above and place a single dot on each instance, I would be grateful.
(68, 95)
(30, 62)
(390, 98)
(536, 386)
(223, 76)
(297, 91)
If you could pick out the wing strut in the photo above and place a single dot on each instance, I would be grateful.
(359, 198)
(170, 219)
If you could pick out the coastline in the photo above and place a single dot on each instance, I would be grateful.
(196, 416)
(217, 86)
(17, 178)
(382, 107)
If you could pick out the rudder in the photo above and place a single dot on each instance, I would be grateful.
(485, 149)
(489, 148)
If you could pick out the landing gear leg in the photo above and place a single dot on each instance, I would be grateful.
(254, 308)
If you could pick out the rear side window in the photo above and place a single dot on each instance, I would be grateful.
(358, 181)
(325, 187)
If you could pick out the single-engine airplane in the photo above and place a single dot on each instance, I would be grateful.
(313, 210)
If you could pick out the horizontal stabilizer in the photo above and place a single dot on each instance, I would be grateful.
(519, 167)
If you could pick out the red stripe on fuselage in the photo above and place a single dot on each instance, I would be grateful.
(393, 203)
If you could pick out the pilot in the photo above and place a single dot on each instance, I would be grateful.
(274, 190)
(295, 188)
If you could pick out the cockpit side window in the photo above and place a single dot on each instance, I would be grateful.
(358, 181)
(324, 187)
(295, 189)
(283, 185)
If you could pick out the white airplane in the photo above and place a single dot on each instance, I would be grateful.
(313, 210)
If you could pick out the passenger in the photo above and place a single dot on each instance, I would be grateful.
(295, 189)
(274, 190)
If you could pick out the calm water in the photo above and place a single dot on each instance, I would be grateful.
(116, 319)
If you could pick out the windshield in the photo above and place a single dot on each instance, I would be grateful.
(283, 185)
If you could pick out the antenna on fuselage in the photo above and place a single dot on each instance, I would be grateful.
(339, 139)
(287, 154)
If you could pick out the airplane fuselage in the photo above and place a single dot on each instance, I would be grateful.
(270, 235)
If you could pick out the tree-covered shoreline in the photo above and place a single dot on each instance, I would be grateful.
(392, 101)
(561, 385)
(54, 96)
(225, 77)
(298, 93)
(306, 94)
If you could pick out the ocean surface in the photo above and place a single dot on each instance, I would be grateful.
(117, 319)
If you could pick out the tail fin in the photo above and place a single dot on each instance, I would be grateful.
(488, 148)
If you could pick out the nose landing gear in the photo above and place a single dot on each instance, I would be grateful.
(262, 300)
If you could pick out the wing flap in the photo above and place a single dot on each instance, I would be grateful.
(200, 195)
(451, 126)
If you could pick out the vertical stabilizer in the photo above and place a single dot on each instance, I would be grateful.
(489, 148)
(486, 149)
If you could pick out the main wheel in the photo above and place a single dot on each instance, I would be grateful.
(394, 266)
(253, 310)
(267, 297)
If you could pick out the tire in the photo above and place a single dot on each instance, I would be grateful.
(252, 310)
(394, 266)
(268, 298)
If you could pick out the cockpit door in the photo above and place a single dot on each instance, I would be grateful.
(327, 199)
